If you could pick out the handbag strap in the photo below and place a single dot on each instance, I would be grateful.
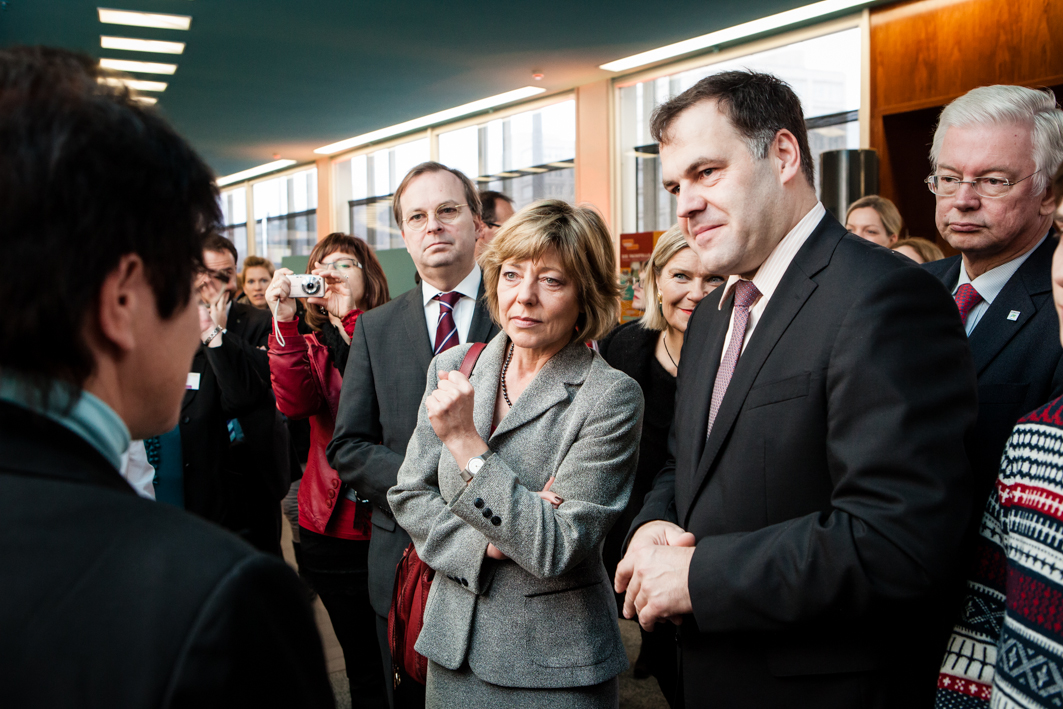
(470, 358)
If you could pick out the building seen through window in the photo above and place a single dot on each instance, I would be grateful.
(824, 72)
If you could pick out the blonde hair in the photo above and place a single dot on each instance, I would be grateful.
(668, 245)
(886, 210)
(582, 243)
(927, 250)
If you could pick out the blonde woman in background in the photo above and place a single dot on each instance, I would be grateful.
(876, 219)
(254, 279)
(918, 249)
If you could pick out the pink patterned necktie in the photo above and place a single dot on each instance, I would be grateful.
(446, 329)
(745, 295)
(966, 298)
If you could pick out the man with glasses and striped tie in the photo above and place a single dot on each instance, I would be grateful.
(439, 212)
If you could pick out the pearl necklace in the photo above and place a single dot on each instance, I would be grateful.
(505, 368)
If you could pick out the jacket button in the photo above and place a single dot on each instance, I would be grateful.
(329, 503)
(496, 521)
(478, 504)
(331, 494)
(488, 513)
(336, 483)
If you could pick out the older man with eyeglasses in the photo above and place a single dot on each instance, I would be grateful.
(994, 153)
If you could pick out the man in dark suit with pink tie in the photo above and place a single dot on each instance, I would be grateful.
(805, 528)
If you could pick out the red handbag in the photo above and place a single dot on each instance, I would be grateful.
(413, 581)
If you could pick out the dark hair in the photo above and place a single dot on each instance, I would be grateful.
(758, 106)
(219, 244)
(489, 200)
(1057, 186)
(88, 174)
(376, 283)
(471, 197)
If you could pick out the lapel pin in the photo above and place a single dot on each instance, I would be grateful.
(1013, 315)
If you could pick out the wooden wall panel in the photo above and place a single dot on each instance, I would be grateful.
(924, 53)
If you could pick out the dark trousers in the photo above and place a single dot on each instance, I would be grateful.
(409, 694)
(337, 569)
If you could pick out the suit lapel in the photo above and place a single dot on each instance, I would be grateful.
(484, 380)
(789, 297)
(996, 328)
(702, 350)
(482, 327)
(416, 327)
(569, 366)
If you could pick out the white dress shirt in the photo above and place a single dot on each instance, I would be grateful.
(989, 285)
(771, 271)
(137, 470)
(463, 311)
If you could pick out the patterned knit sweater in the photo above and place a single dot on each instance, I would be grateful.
(1007, 649)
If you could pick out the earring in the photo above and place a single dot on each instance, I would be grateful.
(660, 302)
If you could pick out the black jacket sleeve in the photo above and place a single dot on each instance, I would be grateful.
(356, 451)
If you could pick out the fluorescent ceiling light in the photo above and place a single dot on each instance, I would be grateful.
(148, 100)
(561, 164)
(431, 119)
(533, 169)
(142, 45)
(135, 84)
(254, 172)
(139, 67)
(730, 34)
(144, 19)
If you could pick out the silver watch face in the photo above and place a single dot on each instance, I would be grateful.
(475, 464)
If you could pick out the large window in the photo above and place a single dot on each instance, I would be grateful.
(364, 185)
(286, 215)
(824, 72)
(528, 156)
(234, 215)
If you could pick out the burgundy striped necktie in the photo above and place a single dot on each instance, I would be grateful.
(446, 329)
(966, 298)
(745, 295)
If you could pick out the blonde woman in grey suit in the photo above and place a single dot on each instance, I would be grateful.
(514, 476)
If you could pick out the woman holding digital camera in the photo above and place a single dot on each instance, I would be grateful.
(306, 372)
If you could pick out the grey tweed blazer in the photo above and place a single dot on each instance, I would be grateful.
(546, 617)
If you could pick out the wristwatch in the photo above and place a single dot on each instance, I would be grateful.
(474, 465)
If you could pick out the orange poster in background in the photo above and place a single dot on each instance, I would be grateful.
(635, 251)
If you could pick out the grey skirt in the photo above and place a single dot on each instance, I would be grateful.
(462, 688)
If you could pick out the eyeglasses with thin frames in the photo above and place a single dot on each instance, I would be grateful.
(445, 214)
(949, 185)
(341, 265)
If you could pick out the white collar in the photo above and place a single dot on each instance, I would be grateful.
(990, 283)
(469, 286)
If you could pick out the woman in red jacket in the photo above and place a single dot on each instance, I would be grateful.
(307, 371)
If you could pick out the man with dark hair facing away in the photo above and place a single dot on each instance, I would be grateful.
(110, 600)
(804, 530)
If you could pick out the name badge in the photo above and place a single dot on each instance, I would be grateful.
(193, 381)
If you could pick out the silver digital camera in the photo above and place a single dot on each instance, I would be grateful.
(305, 285)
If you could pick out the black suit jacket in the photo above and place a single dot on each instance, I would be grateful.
(383, 385)
(110, 600)
(832, 494)
(1019, 362)
(229, 386)
(263, 460)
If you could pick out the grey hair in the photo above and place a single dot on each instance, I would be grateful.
(1010, 104)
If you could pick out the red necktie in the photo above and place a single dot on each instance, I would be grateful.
(966, 298)
(745, 295)
(446, 330)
